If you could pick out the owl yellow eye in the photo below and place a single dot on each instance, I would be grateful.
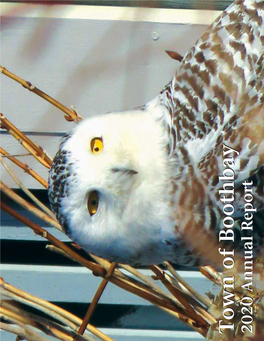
(93, 203)
(97, 145)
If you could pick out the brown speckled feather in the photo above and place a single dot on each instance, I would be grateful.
(216, 98)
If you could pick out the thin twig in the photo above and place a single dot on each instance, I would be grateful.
(206, 315)
(173, 283)
(190, 312)
(34, 302)
(44, 324)
(25, 190)
(50, 309)
(96, 298)
(25, 167)
(211, 274)
(16, 155)
(204, 300)
(28, 144)
(29, 207)
(14, 318)
(71, 115)
(106, 264)
(22, 334)
(103, 262)
(147, 294)
(57, 250)
(145, 279)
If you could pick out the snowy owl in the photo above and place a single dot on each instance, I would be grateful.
(144, 186)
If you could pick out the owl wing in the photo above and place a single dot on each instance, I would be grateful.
(216, 98)
(217, 95)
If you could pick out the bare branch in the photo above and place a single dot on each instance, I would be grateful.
(28, 144)
(25, 190)
(211, 274)
(25, 168)
(96, 298)
(29, 207)
(146, 280)
(71, 115)
(50, 309)
(189, 310)
(44, 324)
(204, 300)
(21, 332)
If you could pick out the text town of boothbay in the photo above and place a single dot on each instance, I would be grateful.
(227, 234)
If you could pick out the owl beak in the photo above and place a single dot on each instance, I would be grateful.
(126, 171)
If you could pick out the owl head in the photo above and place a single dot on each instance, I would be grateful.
(108, 186)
